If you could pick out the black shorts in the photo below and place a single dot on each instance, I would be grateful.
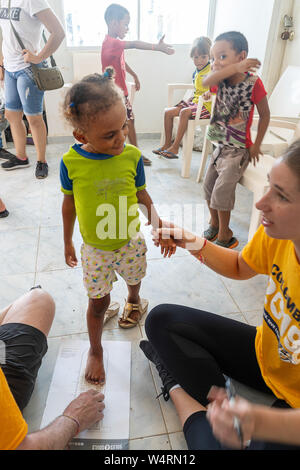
(25, 347)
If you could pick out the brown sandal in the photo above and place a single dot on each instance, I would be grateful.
(132, 314)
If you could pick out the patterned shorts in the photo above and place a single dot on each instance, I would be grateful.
(100, 267)
(204, 114)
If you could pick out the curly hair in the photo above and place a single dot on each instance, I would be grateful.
(93, 94)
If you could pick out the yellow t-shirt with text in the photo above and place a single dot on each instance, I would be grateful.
(277, 341)
(13, 427)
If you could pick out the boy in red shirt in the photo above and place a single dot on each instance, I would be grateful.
(112, 55)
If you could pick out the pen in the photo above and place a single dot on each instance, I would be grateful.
(231, 393)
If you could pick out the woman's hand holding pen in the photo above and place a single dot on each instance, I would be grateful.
(221, 414)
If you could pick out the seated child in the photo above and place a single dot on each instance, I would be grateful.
(112, 55)
(238, 92)
(187, 110)
(103, 181)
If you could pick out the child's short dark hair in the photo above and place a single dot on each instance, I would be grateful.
(238, 41)
(201, 45)
(115, 12)
(93, 94)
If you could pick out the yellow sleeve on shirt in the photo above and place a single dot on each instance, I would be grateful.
(13, 427)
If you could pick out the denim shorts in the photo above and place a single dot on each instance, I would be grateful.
(21, 92)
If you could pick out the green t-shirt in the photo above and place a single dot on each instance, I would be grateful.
(104, 189)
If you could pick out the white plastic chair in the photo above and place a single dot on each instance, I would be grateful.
(284, 101)
(279, 136)
(255, 178)
(188, 138)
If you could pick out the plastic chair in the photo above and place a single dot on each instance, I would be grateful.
(279, 136)
(255, 178)
(188, 138)
(284, 101)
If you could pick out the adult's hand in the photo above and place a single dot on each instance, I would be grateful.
(221, 414)
(181, 237)
(30, 57)
(87, 409)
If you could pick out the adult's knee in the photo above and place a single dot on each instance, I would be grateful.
(43, 301)
(157, 319)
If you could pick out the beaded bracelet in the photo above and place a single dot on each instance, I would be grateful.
(75, 421)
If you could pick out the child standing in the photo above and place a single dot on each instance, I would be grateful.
(103, 181)
(238, 92)
(187, 110)
(112, 54)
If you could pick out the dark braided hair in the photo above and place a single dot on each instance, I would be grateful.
(91, 95)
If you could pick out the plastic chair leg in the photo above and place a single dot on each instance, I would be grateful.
(207, 148)
(187, 149)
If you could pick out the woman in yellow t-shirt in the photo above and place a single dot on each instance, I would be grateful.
(196, 349)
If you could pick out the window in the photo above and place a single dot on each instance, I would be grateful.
(180, 21)
(149, 20)
(85, 25)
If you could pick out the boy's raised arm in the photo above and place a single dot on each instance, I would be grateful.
(161, 46)
(217, 76)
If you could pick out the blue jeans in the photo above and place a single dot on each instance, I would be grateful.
(21, 92)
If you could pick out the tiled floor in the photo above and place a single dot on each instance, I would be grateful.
(31, 252)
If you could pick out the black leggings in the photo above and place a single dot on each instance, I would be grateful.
(197, 348)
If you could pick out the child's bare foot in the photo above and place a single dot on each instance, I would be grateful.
(94, 371)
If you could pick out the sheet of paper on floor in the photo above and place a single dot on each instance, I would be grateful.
(112, 433)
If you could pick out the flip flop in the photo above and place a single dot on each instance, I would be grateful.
(158, 151)
(232, 243)
(168, 155)
(211, 233)
(146, 161)
(4, 213)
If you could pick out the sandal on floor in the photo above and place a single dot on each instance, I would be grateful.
(132, 313)
(211, 233)
(232, 243)
(158, 151)
(4, 213)
(168, 155)
(112, 311)
(146, 161)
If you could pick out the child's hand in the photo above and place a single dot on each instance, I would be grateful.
(163, 47)
(248, 65)
(206, 96)
(70, 255)
(167, 247)
(137, 83)
(255, 152)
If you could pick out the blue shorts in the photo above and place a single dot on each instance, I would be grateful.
(21, 92)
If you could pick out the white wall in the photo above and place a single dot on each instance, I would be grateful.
(156, 70)
(251, 18)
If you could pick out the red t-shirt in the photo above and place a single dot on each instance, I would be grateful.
(112, 55)
(258, 93)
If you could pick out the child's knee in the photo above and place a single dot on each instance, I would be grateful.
(185, 113)
(43, 301)
(99, 306)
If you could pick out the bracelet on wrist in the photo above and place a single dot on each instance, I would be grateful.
(74, 420)
(198, 254)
